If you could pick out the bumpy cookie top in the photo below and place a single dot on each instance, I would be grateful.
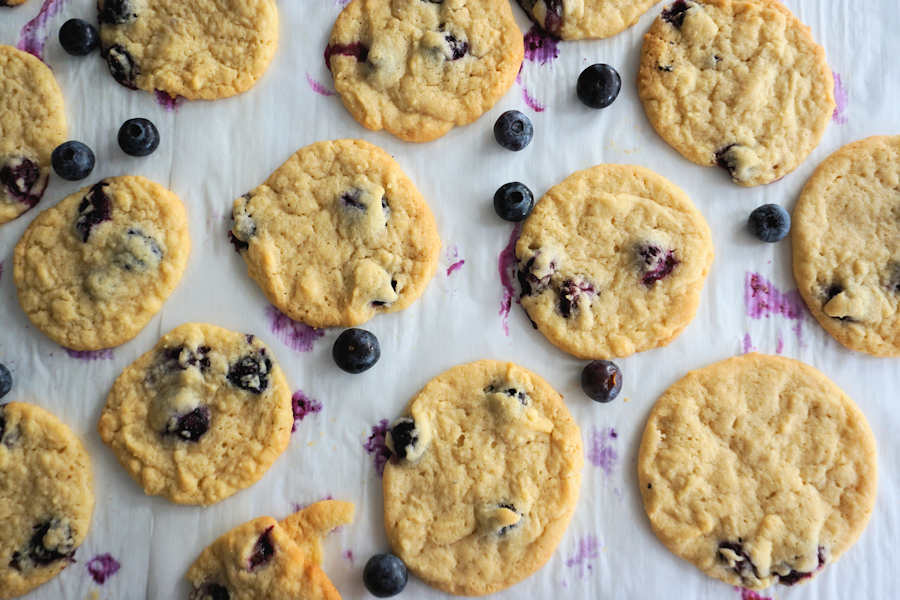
(46, 497)
(736, 83)
(757, 469)
(32, 124)
(417, 68)
(337, 234)
(846, 239)
(580, 19)
(612, 261)
(93, 270)
(484, 479)
(199, 49)
(202, 415)
(309, 525)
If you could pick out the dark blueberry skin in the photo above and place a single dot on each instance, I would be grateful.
(6, 382)
(95, 208)
(529, 283)
(513, 201)
(122, 66)
(598, 85)
(656, 263)
(458, 48)
(385, 575)
(569, 292)
(180, 358)
(356, 350)
(553, 20)
(129, 261)
(116, 12)
(403, 435)
(20, 176)
(795, 577)
(39, 554)
(833, 290)
(251, 372)
(770, 223)
(138, 137)
(513, 130)
(72, 160)
(601, 380)
(357, 50)
(725, 158)
(379, 302)
(191, 426)
(674, 13)
(743, 566)
(511, 392)
(210, 591)
(893, 284)
(263, 550)
(78, 37)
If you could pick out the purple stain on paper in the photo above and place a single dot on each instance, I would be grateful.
(506, 265)
(376, 447)
(540, 47)
(297, 336)
(588, 550)
(455, 267)
(348, 554)
(106, 354)
(747, 344)
(841, 99)
(34, 34)
(456, 263)
(317, 87)
(530, 100)
(779, 343)
(303, 406)
(763, 299)
(102, 567)
(602, 452)
(170, 103)
(751, 595)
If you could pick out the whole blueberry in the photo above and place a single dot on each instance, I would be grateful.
(72, 160)
(770, 223)
(598, 85)
(385, 575)
(356, 350)
(78, 37)
(513, 201)
(513, 130)
(138, 137)
(601, 380)
(5, 380)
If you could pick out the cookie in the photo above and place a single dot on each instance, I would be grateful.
(46, 497)
(93, 270)
(417, 69)
(309, 525)
(846, 240)
(612, 261)
(201, 416)
(736, 83)
(582, 19)
(484, 477)
(32, 124)
(337, 234)
(11, 2)
(758, 470)
(198, 49)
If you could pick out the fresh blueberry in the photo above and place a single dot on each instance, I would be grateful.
(770, 223)
(78, 37)
(263, 550)
(598, 85)
(5, 381)
(251, 372)
(191, 426)
(356, 350)
(138, 137)
(210, 591)
(404, 436)
(601, 380)
(513, 201)
(72, 160)
(513, 130)
(385, 575)
(95, 208)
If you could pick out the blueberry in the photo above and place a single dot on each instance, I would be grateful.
(357, 50)
(513, 130)
(138, 137)
(741, 563)
(675, 13)
(122, 66)
(78, 37)
(385, 575)
(458, 48)
(356, 350)
(191, 426)
(37, 554)
(23, 179)
(770, 223)
(598, 85)
(251, 372)
(5, 381)
(404, 436)
(72, 160)
(263, 550)
(210, 591)
(601, 380)
(116, 12)
(95, 208)
(569, 292)
(513, 201)
(507, 528)
(655, 263)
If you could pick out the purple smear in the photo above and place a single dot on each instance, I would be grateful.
(102, 567)
(763, 299)
(34, 34)
(747, 344)
(602, 453)
(779, 343)
(532, 103)
(348, 554)
(751, 595)
(455, 267)
(91, 354)
(588, 550)
(318, 87)
(841, 99)
(540, 47)
(297, 336)
(303, 405)
(376, 447)
(168, 102)
(506, 265)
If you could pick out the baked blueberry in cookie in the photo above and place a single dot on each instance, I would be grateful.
(674, 13)
(50, 541)
(655, 263)
(403, 439)
(357, 50)
(122, 66)
(570, 292)
(263, 550)
(95, 208)
(190, 426)
(116, 12)
(251, 372)
(23, 180)
(210, 591)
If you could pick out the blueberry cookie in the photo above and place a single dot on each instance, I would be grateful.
(484, 477)
(612, 261)
(337, 234)
(201, 416)
(198, 49)
(93, 270)
(11, 2)
(417, 68)
(736, 83)
(580, 19)
(846, 240)
(758, 470)
(46, 497)
(309, 525)
(32, 124)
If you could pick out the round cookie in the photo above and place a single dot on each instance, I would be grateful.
(32, 124)
(846, 240)
(758, 470)
(201, 416)
(46, 497)
(612, 261)
(484, 477)
(337, 234)
(198, 49)
(582, 19)
(736, 83)
(417, 69)
(93, 270)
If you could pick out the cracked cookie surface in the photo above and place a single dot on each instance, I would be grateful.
(584, 19)
(758, 470)
(736, 83)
